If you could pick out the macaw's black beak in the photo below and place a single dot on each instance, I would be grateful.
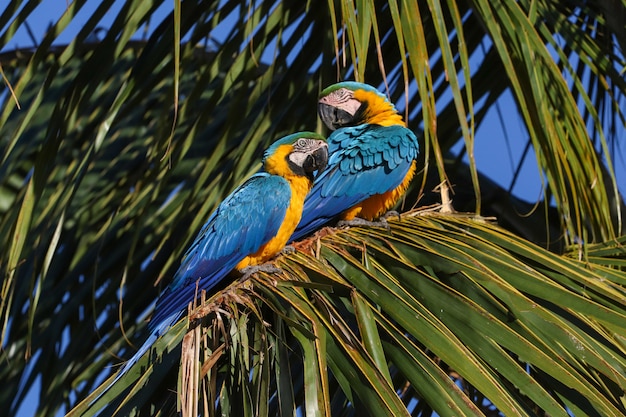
(321, 158)
(333, 117)
(317, 160)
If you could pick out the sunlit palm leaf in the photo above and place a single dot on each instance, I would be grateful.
(437, 297)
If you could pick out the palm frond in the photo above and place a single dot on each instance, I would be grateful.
(448, 311)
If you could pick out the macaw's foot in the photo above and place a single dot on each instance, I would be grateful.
(359, 222)
(288, 250)
(268, 267)
(391, 213)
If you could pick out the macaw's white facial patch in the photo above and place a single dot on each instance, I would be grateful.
(309, 154)
(342, 99)
(307, 145)
(298, 158)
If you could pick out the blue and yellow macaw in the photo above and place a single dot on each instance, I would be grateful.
(248, 228)
(372, 158)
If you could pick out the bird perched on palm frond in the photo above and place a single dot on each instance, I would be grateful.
(372, 158)
(247, 229)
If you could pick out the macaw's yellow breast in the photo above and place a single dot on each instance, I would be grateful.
(378, 204)
(300, 186)
(379, 111)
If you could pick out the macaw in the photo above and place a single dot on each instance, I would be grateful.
(372, 158)
(247, 229)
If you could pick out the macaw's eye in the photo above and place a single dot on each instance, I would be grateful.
(302, 143)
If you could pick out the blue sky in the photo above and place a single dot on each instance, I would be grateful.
(494, 157)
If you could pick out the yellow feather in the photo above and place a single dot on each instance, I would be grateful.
(379, 204)
(379, 111)
(300, 186)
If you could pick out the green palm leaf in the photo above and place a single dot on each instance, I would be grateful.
(431, 300)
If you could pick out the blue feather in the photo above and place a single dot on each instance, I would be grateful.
(241, 224)
(365, 160)
(244, 221)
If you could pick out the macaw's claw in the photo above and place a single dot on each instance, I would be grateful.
(359, 222)
(288, 250)
(268, 267)
(391, 213)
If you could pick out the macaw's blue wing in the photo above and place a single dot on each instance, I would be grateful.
(243, 222)
(246, 220)
(365, 160)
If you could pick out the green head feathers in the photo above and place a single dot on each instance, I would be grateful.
(351, 85)
(290, 140)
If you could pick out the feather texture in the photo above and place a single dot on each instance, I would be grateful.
(244, 221)
(248, 228)
(368, 160)
(372, 158)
